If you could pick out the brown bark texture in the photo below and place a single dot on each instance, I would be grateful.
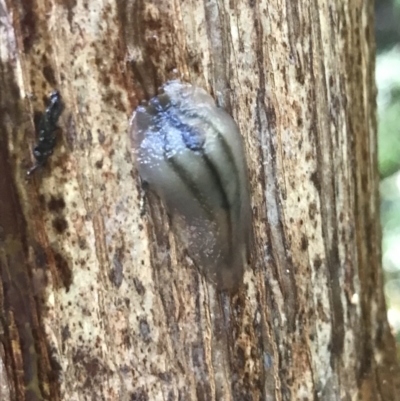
(98, 301)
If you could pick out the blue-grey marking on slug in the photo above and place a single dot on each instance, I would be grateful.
(191, 154)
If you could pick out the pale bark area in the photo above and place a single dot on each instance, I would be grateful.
(97, 300)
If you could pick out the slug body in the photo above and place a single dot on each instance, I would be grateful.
(190, 152)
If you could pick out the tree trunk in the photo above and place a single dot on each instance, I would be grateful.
(98, 301)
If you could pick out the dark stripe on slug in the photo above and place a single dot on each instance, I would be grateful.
(190, 184)
(196, 192)
(225, 200)
(227, 150)
(214, 173)
(194, 141)
(196, 144)
(237, 199)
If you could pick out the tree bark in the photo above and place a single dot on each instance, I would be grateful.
(98, 301)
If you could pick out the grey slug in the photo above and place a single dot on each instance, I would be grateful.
(190, 153)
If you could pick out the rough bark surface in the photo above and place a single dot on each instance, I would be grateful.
(97, 300)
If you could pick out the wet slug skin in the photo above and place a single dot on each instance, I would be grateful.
(190, 153)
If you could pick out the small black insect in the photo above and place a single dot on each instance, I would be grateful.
(47, 129)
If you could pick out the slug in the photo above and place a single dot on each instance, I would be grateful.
(190, 153)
